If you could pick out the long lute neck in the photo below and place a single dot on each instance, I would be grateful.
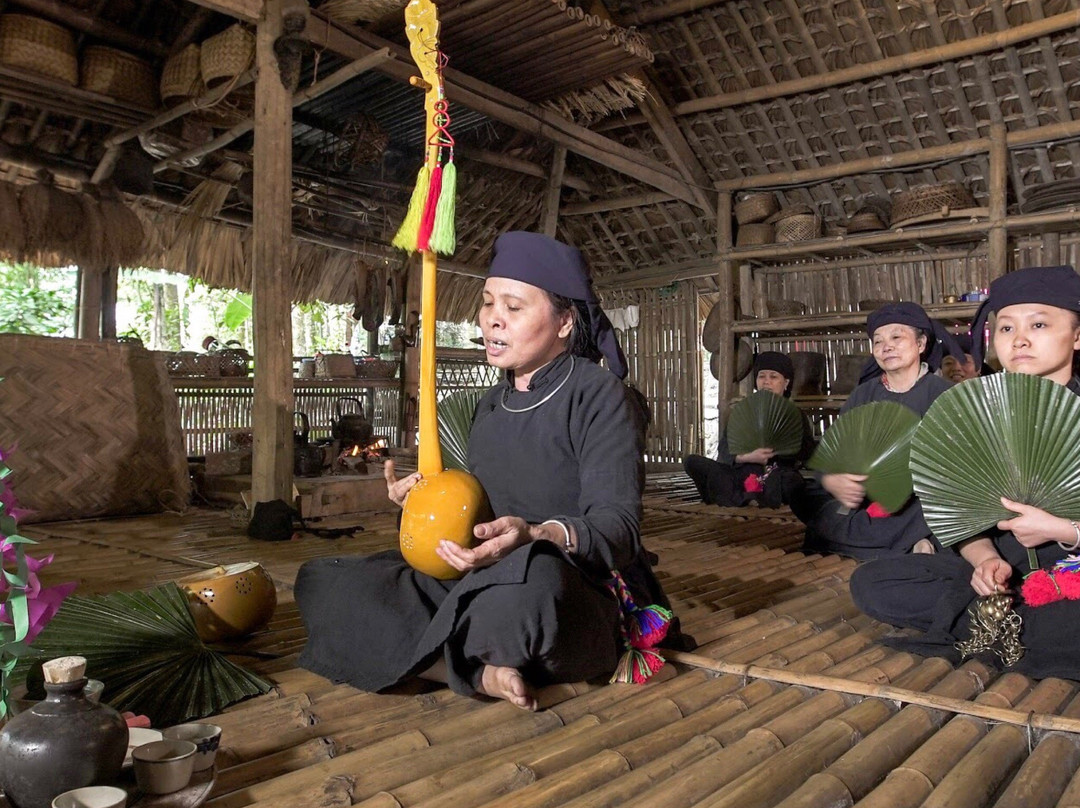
(429, 460)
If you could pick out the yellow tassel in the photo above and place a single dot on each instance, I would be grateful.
(410, 227)
(443, 238)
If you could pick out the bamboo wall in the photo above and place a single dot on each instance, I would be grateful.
(664, 363)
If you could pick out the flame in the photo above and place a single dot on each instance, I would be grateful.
(355, 451)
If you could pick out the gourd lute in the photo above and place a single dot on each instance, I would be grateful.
(444, 504)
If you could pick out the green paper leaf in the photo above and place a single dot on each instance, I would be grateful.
(1007, 435)
(875, 440)
(455, 413)
(765, 420)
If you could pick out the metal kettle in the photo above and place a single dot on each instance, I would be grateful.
(351, 427)
(307, 458)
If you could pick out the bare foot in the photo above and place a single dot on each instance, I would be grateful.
(924, 546)
(508, 684)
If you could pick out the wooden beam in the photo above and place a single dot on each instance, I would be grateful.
(725, 286)
(666, 11)
(272, 293)
(616, 203)
(353, 43)
(894, 64)
(109, 277)
(246, 10)
(492, 158)
(997, 182)
(89, 317)
(332, 81)
(549, 210)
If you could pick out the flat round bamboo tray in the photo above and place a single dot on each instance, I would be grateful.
(755, 208)
(118, 74)
(929, 202)
(798, 227)
(180, 77)
(40, 46)
(873, 303)
(226, 55)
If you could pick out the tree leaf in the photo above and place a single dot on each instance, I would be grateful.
(765, 420)
(455, 414)
(238, 311)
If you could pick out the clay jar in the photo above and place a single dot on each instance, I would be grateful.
(62, 743)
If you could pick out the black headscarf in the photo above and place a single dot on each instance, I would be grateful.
(938, 339)
(774, 360)
(547, 264)
(1051, 286)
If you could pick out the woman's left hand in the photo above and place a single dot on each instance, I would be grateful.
(497, 540)
(1033, 526)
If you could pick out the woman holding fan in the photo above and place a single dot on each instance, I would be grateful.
(907, 348)
(735, 479)
(1036, 332)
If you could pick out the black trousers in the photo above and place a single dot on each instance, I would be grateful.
(720, 484)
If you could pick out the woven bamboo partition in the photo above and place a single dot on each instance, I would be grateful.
(95, 425)
(665, 365)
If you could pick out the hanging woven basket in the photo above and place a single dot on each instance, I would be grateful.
(930, 202)
(226, 55)
(180, 77)
(755, 208)
(118, 74)
(750, 235)
(40, 46)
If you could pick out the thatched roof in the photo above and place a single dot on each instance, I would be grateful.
(720, 91)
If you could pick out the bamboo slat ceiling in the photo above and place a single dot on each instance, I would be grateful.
(732, 89)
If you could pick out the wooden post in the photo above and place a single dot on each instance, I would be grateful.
(272, 410)
(410, 388)
(998, 241)
(89, 316)
(549, 213)
(108, 302)
(725, 282)
(1051, 251)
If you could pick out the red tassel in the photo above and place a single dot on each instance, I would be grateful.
(427, 221)
(1039, 589)
(876, 511)
(752, 485)
(1068, 583)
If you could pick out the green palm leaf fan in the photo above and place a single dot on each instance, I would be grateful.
(874, 440)
(1007, 435)
(455, 413)
(145, 648)
(765, 420)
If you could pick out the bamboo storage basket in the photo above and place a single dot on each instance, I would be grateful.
(118, 74)
(756, 208)
(785, 308)
(37, 45)
(335, 366)
(226, 55)
(925, 200)
(798, 227)
(180, 77)
(370, 367)
(757, 233)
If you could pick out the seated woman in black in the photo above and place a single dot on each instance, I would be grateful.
(907, 347)
(559, 453)
(1037, 331)
(734, 480)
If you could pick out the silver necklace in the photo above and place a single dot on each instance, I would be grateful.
(545, 398)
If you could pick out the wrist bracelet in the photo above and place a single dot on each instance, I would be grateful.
(1076, 544)
(566, 533)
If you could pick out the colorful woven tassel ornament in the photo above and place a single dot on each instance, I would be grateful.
(641, 629)
(1061, 582)
(443, 237)
(410, 228)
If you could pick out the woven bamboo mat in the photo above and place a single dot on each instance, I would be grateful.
(692, 737)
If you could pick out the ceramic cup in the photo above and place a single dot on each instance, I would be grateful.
(162, 767)
(91, 797)
(206, 737)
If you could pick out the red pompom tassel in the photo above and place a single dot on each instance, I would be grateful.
(876, 511)
(752, 484)
(1039, 588)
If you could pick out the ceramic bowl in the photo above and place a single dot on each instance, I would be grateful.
(163, 767)
(206, 737)
(139, 736)
(230, 601)
(91, 797)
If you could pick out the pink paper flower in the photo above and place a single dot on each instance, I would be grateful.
(42, 602)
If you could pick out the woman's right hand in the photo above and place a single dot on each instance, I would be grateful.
(847, 488)
(991, 576)
(397, 489)
(762, 456)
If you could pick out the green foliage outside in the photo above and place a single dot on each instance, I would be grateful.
(172, 312)
(37, 301)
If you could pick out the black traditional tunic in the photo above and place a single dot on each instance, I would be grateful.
(722, 481)
(932, 593)
(576, 457)
(832, 528)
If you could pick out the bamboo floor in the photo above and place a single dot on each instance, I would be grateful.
(789, 699)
